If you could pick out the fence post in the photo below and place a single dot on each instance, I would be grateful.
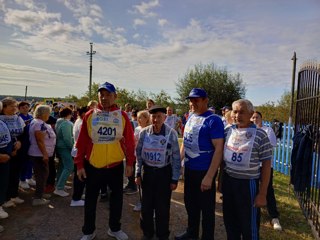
(283, 146)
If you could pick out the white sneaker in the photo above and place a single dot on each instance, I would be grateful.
(66, 187)
(31, 182)
(120, 235)
(61, 193)
(3, 213)
(89, 236)
(8, 204)
(276, 224)
(24, 185)
(79, 203)
(17, 200)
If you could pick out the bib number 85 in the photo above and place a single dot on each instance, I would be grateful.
(236, 157)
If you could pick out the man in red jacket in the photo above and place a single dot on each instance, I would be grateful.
(105, 139)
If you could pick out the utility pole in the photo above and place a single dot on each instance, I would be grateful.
(294, 59)
(90, 76)
(25, 93)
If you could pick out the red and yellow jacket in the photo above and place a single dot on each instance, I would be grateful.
(105, 155)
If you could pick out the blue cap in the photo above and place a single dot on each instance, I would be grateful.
(196, 93)
(107, 86)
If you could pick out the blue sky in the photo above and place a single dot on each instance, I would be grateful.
(150, 44)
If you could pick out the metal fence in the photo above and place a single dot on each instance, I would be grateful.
(308, 113)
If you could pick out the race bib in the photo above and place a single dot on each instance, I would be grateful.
(238, 147)
(106, 127)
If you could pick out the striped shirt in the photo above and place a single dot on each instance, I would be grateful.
(261, 151)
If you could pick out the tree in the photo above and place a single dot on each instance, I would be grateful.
(221, 86)
(162, 99)
(279, 111)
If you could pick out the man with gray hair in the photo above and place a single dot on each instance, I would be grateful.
(246, 148)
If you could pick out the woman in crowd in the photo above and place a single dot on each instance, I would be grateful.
(26, 171)
(65, 143)
(5, 152)
(15, 125)
(78, 185)
(143, 121)
(42, 143)
(271, 199)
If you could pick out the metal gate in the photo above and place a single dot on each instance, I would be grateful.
(308, 113)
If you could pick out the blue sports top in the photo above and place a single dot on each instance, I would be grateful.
(197, 139)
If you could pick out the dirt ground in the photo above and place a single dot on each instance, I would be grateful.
(60, 221)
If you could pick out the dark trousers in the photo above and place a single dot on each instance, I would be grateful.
(131, 179)
(14, 177)
(199, 203)
(113, 177)
(4, 181)
(156, 198)
(41, 172)
(78, 186)
(241, 218)
(52, 171)
(271, 199)
(26, 170)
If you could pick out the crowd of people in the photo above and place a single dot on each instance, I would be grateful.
(101, 143)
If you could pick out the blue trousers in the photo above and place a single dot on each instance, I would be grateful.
(241, 218)
(65, 167)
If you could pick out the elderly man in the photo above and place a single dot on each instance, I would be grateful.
(159, 156)
(244, 187)
(106, 137)
(202, 150)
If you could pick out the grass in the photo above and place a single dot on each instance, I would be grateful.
(293, 222)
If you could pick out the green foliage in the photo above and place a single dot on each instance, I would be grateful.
(221, 86)
(162, 99)
(279, 111)
(291, 217)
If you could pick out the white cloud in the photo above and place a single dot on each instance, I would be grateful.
(145, 7)
(57, 30)
(2, 5)
(29, 20)
(82, 8)
(138, 22)
(162, 22)
(30, 4)
(136, 36)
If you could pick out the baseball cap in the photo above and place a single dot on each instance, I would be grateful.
(107, 86)
(157, 108)
(196, 93)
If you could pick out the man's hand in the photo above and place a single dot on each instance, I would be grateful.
(17, 146)
(260, 201)
(138, 181)
(81, 174)
(206, 183)
(4, 158)
(129, 170)
(173, 186)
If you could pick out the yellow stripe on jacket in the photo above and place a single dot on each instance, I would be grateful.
(104, 155)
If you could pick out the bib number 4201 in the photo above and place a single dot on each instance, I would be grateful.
(107, 131)
(236, 157)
